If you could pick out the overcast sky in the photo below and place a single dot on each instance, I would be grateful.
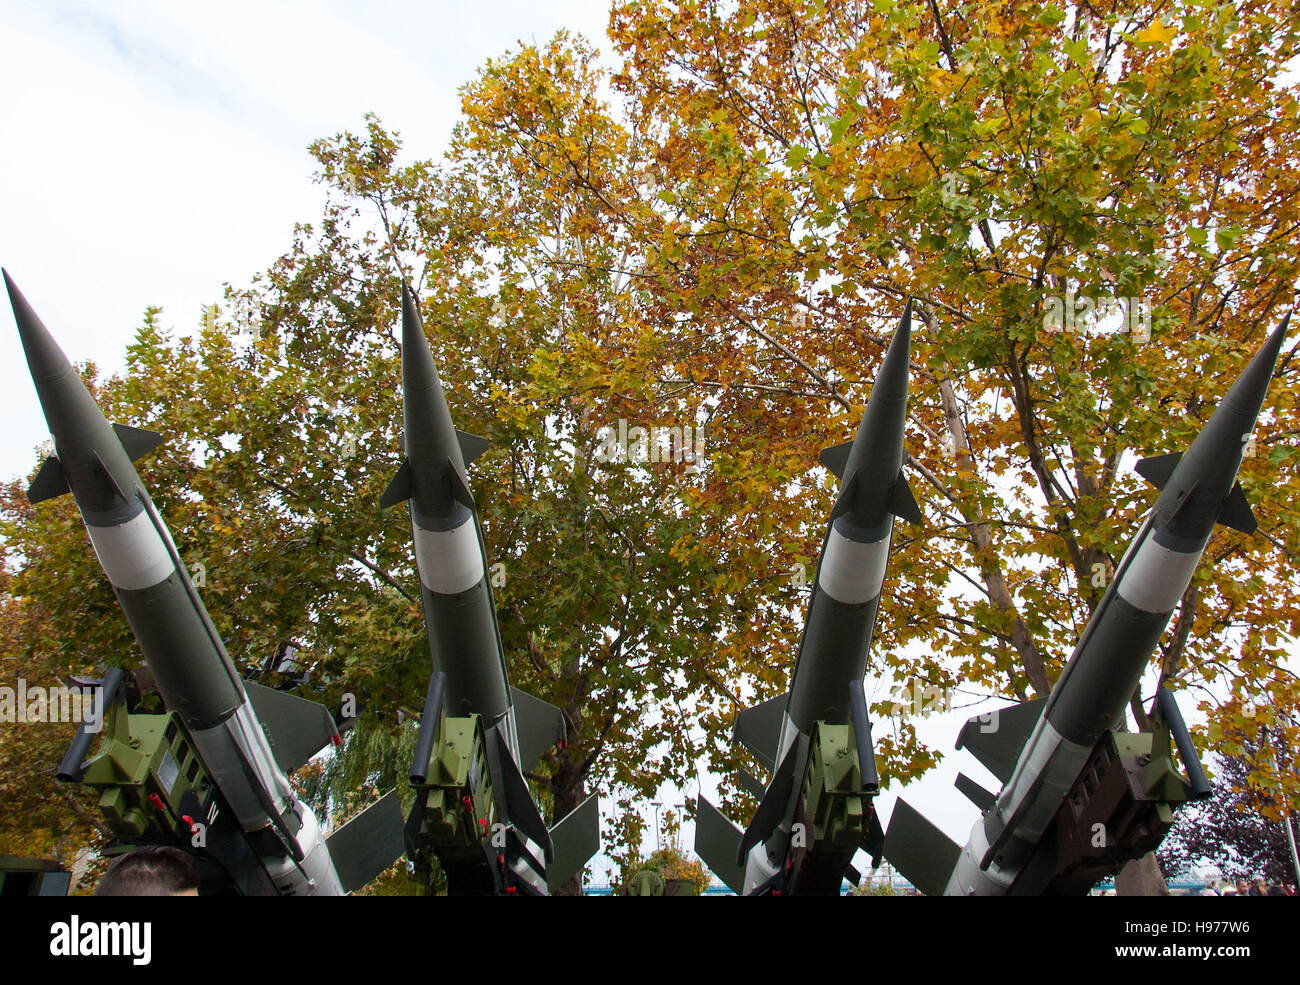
(154, 151)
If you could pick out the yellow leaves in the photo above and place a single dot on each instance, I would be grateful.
(1156, 33)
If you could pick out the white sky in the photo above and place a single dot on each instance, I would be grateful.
(153, 151)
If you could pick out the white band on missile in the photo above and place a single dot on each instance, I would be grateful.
(226, 748)
(852, 572)
(132, 554)
(450, 561)
(1156, 578)
(1054, 759)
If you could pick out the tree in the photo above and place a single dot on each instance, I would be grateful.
(1239, 828)
(730, 249)
(669, 860)
(817, 161)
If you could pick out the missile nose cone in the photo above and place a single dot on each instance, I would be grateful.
(892, 378)
(886, 405)
(1248, 392)
(44, 357)
(418, 369)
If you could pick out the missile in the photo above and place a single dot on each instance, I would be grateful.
(1080, 795)
(170, 777)
(816, 810)
(483, 825)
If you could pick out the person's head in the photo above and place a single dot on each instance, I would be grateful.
(1242, 885)
(154, 870)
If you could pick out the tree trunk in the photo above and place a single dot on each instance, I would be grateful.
(569, 790)
(1141, 877)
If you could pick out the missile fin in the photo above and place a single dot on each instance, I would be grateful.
(49, 482)
(844, 502)
(771, 809)
(1157, 469)
(540, 726)
(717, 842)
(108, 474)
(520, 808)
(975, 793)
(369, 843)
(758, 729)
(875, 841)
(576, 838)
(138, 442)
(1236, 512)
(751, 783)
(296, 728)
(920, 851)
(836, 457)
(996, 741)
(903, 503)
(399, 490)
(471, 445)
(459, 486)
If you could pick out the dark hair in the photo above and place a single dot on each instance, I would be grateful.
(154, 870)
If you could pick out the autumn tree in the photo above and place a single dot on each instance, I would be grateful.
(816, 162)
(1241, 827)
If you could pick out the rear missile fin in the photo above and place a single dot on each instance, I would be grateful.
(520, 808)
(471, 445)
(540, 726)
(1236, 512)
(920, 851)
(296, 728)
(400, 489)
(459, 486)
(771, 809)
(49, 482)
(576, 838)
(996, 739)
(875, 843)
(717, 842)
(137, 441)
(369, 843)
(975, 793)
(751, 783)
(1157, 469)
(758, 729)
(836, 457)
(903, 503)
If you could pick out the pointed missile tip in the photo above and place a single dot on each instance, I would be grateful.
(44, 357)
(902, 340)
(904, 330)
(1279, 334)
(1272, 346)
(12, 288)
(411, 325)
